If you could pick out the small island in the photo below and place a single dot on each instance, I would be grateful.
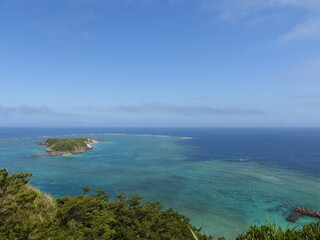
(67, 146)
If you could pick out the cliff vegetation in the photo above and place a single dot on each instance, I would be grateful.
(27, 213)
(60, 146)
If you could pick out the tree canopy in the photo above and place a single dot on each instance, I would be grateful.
(27, 213)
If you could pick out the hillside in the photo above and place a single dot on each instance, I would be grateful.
(27, 213)
(61, 146)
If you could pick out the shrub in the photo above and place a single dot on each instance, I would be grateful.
(27, 213)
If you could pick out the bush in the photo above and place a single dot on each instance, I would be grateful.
(27, 213)
(273, 232)
(24, 210)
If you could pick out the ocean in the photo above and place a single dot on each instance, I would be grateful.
(223, 179)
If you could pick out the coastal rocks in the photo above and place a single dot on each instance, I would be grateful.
(301, 211)
(35, 155)
(67, 146)
(54, 154)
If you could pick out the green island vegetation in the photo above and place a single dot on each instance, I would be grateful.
(59, 146)
(27, 213)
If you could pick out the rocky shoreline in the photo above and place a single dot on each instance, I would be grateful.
(53, 150)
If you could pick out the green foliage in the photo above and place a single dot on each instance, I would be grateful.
(273, 232)
(27, 213)
(24, 210)
(66, 144)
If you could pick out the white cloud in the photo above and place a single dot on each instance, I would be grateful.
(30, 110)
(189, 110)
(309, 30)
(249, 10)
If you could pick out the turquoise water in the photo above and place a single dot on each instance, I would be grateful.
(224, 181)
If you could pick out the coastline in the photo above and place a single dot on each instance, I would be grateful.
(215, 189)
(53, 150)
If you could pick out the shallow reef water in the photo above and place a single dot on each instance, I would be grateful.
(223, 179)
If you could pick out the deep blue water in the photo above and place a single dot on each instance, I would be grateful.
(224, 179)
(295, 148)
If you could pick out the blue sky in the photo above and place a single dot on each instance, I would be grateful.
(160, 63)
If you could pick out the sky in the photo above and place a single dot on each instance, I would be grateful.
(166, 63)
